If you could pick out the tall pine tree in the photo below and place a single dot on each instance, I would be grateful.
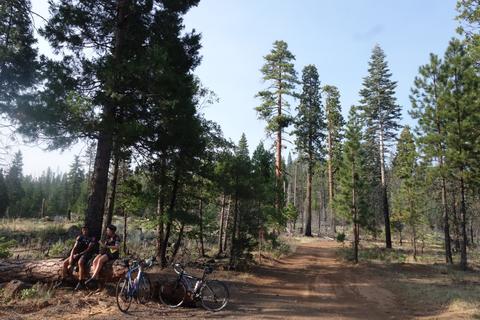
(335, 123)
(407, 200)
(350, 200)
(461, 124)
(381, 114)
(278, 71)
(310, 131)
(428, 107)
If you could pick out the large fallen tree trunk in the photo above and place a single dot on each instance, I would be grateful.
(50, 270)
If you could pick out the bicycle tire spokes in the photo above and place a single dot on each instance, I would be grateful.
(214, 295)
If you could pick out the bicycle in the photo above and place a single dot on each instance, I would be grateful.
(212, 294)
(137, 288)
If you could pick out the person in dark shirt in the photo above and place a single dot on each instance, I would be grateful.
(112, 247)
(81, 252)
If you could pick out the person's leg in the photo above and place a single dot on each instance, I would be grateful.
(81, 273)
(101, 261)
(81, 268)
(66, 262)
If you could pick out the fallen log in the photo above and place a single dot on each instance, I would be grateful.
(50, 270)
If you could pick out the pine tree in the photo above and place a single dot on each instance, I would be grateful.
(4, 201)
(381, 114)
(18, 64)
(469, 18)
(74, 182)
(129, 63)
(461, 124)
(335, 123)
(428, 107)
(281, 76)
(406, 199)
(350, 200)
(14, 184)
(310, 131)
(241, 190)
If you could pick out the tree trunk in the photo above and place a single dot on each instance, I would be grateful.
(330, 181)
(124, 232)
(160, 208)
(446, 223)
(222, 221)
(472, 243)
(233, 248)
(456, 225)
(308, 226)
(227, 219)
(111, 199)
(177, 244)
(295, 194)
(355, 216)
(96, 199)
(414, 240)
(463, 210)
(202, 247)
(386, 212)
(42, 213)
(173, 200)
(50, 270)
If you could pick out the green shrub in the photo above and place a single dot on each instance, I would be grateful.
(61, 248)
(5, 246)
(341, 237)
(37, 291)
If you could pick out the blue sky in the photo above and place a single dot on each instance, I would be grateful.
(335, 35)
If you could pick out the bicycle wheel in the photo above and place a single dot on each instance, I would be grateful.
(172, 294)
(124, 299)
(144, 290)
(214, 295)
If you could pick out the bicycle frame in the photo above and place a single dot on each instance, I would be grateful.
(133, 285)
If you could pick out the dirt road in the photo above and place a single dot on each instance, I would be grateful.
(309, 284)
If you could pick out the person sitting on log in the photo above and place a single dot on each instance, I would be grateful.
(112, 252)
(81, 253)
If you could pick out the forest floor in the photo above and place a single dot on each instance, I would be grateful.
(311, 283)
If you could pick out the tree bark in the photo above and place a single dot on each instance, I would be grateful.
(233, 248)
(125, 232)
(173, 200)
(202, 247)
(330, 180)
(463, 211)
(222, 221)
(177, 244)
(50, 270)
(96, 200)
(386, 211)
(227, 219)
(111, 198)
(308, 226)
(355, 216)
(456, 225)
(446, 223)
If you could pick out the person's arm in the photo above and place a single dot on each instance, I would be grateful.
(116, 246)
(72, 253)
(90, 246)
